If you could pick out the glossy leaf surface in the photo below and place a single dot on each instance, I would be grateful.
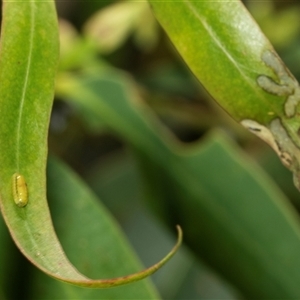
(228, 53)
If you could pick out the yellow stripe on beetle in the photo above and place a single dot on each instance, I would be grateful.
(19, 188)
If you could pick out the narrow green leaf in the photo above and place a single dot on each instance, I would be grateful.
(90, 93)
(28, 63)
(228, 53)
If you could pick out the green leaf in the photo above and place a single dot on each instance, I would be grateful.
(223, 46)
(233, 215)
(110, 27)
(87, 90)
(91, 238)
(117, 181)
(228, 53)
(28, 63)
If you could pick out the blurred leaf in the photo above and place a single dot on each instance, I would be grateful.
(285, 22)
(232, 214)
(85, 91)
(200, 283)
(112, 25)
(117, 181)
(92, 240)
(146, 34)
(170, 79)
(2, 295)
(75, 51)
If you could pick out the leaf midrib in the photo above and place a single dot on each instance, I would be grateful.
(227, 54)
(26, 82)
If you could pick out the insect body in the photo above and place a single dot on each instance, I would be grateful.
(19, 189)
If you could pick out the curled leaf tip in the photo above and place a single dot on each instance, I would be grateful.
(107, 283)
